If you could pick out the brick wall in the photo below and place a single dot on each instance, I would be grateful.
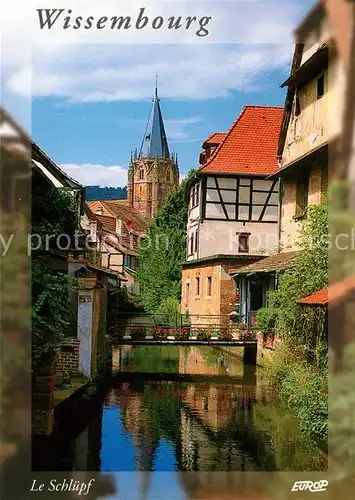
(68, 356)
(148, 193)
(227, 294)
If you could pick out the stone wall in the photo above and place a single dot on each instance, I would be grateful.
(68, 356)
(42, 396)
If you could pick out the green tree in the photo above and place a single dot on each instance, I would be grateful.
(54, 212)
(160, 255)
(309, 274)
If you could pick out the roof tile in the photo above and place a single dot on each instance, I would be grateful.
(250, 146)
(269, 264)
(128, 214)
(317, 298)
(215, 138)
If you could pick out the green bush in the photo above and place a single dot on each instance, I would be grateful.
(168, 313)
(308, 274)
(302, 386)
(305, 391)
(266, 318)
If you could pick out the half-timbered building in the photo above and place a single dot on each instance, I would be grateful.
(233, 210)
(117, 229)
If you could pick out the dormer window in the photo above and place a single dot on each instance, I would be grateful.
(99, 211)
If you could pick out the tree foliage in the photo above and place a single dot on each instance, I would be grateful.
(298, 369)
(309, 274)
(51, 313)
(54, 212)
(161, 254)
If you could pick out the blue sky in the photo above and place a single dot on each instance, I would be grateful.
(104, 133)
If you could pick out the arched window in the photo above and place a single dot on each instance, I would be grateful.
(168, 176)
(141, 174)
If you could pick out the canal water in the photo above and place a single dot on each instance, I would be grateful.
(178, 409)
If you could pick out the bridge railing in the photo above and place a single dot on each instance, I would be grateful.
(181, 327)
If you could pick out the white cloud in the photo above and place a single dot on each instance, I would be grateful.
(88, 174)
(196, 73)
(179, 129)
(104, 71)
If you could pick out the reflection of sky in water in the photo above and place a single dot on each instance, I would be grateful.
(162, 486)
(118, 452)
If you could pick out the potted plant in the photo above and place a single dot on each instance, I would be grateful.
(160, 332)
(204, 334)
(182, 334)
(214, 335)
(138, 333)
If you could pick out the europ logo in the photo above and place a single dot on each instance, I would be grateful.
(311, 486)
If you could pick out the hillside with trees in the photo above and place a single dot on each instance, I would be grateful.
(94, 193)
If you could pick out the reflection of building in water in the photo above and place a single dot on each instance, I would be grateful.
(208, 361)
(217, 406)
(203, 450)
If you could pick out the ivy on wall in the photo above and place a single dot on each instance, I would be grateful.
(54, 212)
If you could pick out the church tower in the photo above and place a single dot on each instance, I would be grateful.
(153, 172)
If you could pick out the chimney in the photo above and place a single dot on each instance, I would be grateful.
(118, 226)
(93, 230)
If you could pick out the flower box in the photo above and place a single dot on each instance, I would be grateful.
(204, 334)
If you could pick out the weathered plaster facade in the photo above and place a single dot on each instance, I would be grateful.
(312, 122)
(317, 192)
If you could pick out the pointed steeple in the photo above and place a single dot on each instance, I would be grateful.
(155, 144)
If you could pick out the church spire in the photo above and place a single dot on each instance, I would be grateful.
(154, 142)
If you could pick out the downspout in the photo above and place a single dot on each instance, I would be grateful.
(279, 210)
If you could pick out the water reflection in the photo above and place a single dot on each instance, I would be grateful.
(194, 425)
(186, 425)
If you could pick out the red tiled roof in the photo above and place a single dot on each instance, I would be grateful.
(128, 214)
(215, 138)
(317, 298)
(107, 223)
(250, 146)
(121, 243)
